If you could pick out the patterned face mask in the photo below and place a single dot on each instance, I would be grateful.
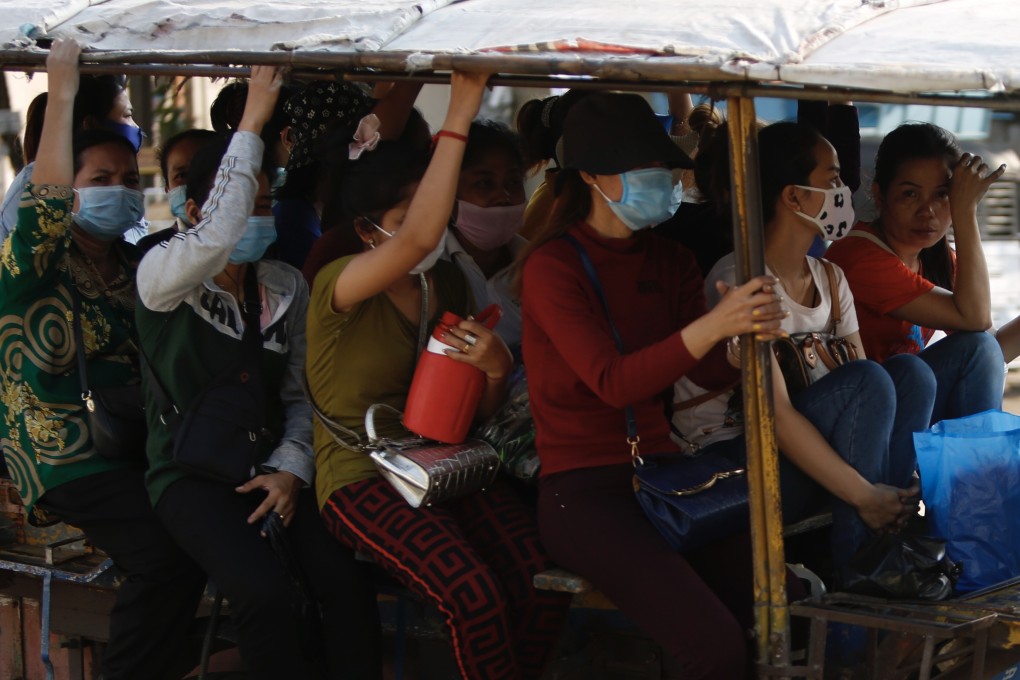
(837, 214)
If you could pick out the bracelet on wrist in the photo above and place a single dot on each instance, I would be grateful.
(452, 135)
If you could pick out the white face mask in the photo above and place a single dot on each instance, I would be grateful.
(678, 196)
(430, 260)
(836, 216)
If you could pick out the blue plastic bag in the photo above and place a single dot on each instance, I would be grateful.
(970, 480)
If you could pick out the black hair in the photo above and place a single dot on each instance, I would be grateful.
(572, 205)
(366, 187)
(485, 136)
(786, 155)
(280, 119)
(93, 103)
(203, 167)
(704, 116)
(540, 123)
(84, 140)
(195, 134)
(228, 107)
(301, 184)
(416, 131)
(96, 97)
(33, 126)
(712, 166)
(913, 141)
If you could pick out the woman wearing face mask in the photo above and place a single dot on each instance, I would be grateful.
(908, 282)
(482, 240)
(101, 104)
(66, 244)
(174, 158)
(850, 434)
(363, 329)
(192, 289)
(616, 182)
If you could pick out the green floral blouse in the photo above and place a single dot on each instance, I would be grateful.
(43, 423)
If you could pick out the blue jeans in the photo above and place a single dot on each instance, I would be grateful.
(867, 414)
(970, 374)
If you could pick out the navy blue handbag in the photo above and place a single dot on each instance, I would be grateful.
(692, 501)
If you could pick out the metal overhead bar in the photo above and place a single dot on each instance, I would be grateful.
(513, 70)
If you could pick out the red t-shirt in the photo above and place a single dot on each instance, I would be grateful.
(880, 283)
(578, 381)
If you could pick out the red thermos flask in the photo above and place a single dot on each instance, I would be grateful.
(444, 393)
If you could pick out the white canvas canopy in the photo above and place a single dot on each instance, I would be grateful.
(903, 46)
(962, 51)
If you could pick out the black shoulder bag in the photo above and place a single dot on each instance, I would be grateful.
(116, 414)
(691, 501)
(222, 434)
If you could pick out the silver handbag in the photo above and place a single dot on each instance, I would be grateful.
(423, 471)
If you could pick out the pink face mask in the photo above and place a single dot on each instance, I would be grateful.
(488, 228)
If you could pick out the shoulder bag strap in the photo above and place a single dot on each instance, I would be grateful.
(632, 436)
(251, 342)
(702, 398)
(169, 414)
(344, 436)
(423, 320)
(79, 348)
(251, 311)
(860, 233)
(837, 314)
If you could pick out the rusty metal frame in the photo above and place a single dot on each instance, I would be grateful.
(928, 624)
(772, 613)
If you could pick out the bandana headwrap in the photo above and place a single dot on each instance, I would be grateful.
(319, 107)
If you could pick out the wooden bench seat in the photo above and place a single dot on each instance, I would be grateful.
(585, 594)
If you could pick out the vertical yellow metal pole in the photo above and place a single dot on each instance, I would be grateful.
(772, 616)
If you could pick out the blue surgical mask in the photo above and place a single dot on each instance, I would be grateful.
(108, 212)
(646, 196)
(677, 198)
(281, 179)
(259, 235)
(129, 132)
(178, 198)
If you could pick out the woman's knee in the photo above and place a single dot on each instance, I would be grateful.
(911, 376)
(868, 372)
(976, 349)
(854, 381)
(979, 345)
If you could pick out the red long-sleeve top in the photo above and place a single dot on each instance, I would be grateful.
(579, 382)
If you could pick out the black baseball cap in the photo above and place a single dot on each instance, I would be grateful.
(608, 133)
